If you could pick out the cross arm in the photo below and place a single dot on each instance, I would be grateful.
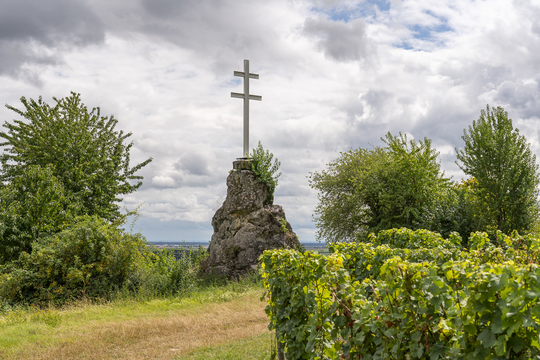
(242, 74)
(237, 95)
(242, 96)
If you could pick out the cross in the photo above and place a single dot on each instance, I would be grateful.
(246, 96)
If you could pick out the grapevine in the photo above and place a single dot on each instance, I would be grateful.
(392, 299)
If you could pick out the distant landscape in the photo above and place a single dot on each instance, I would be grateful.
(311, 246)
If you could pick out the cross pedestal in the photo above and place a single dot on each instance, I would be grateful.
(242, 164)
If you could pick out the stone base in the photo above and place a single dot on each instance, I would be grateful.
(242, 164)
(245, 226)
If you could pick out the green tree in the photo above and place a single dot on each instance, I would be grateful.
(86, 154)
(261, 165)
(506, 173)
(458, 210)
(413, 183)
(367, 190)
(348, 192)
(32, 206)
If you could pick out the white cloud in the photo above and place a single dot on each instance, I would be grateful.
(163, 181)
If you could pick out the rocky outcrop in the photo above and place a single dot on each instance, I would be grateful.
(245, 226)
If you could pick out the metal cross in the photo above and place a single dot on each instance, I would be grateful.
(246, 96)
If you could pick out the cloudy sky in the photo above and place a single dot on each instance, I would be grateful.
(334, 75)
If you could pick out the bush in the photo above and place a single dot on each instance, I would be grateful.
(92, 257)
(265, 171)
(167, 272)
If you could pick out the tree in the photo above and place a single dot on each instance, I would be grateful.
(348, 192)
(458, 211)
(505, 169)
(34, 205)
(413, 184)
(375, 189)
(82, 148)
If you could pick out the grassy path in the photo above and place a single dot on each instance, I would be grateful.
(213, 324)
(253, 348)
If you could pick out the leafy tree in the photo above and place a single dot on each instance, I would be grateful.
(376, 189)
(32, 206)
(505, 170)
(348, 192)
(265, 171)
(458, 210)
(82, 148)
(413, 184)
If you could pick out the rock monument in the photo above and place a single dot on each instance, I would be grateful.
(246, 225)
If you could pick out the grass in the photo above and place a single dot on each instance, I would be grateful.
(216, 321)
(258, 347)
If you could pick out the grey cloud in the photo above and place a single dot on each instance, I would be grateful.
(13, 55)
(32, 32)
(195, 164)
(339, 40)
(49, 22)
(220, 32)
(292, 189)
(326, 3)
(173, 8)
(475, 75)
(523, 98)
(203, 182)
(181, 181)
(352, 106)
(376, 98)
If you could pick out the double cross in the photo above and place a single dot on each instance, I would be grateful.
(246, 96)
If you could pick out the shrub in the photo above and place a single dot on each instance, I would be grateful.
(164, 272)
(92, 257)
(265, 171)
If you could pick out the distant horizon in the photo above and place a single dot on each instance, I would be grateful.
(208, 242)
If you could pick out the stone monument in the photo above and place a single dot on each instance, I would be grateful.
(248, 222)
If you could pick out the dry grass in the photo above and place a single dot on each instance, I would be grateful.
(150, 337)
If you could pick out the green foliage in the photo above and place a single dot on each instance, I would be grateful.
(408, 239)
(412, 187)
(378, 302)
(90, 257)
(365, 191)
(265, 171)
(283, 225)
(459, 211)
(33, 205)
(162, 272)
(505, 171)
(82, 148)
(345, 191)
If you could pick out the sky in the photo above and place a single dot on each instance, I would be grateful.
(333, 75)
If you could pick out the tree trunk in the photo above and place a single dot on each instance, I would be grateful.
(280, 350)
